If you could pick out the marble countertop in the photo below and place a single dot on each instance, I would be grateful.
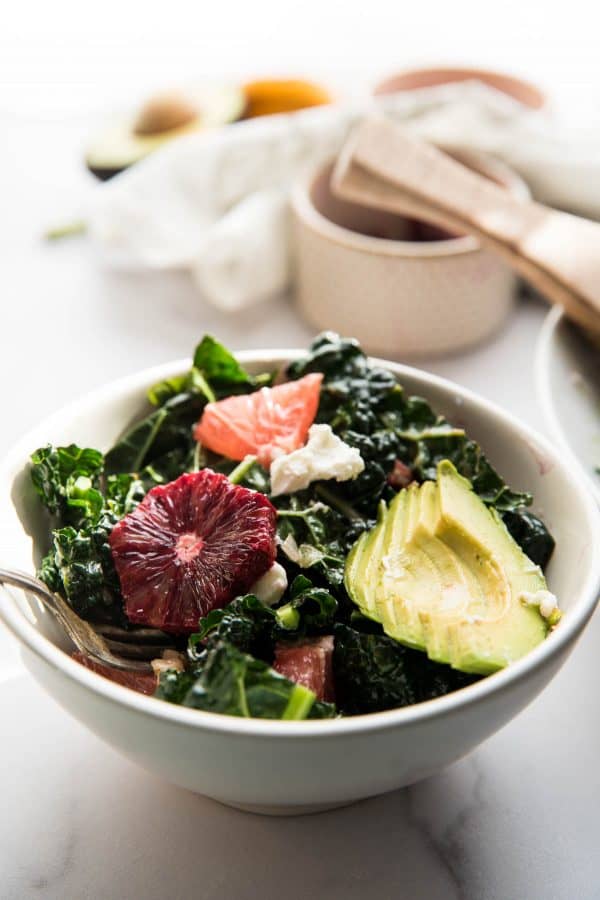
(519, 819)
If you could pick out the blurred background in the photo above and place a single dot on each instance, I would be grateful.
(66, 68)
(66, 59)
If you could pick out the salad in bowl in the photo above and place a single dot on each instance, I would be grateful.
(317, 542)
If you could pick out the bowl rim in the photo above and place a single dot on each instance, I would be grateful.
(308, 214)
(542, 366)
(507, 83)
(438, 708)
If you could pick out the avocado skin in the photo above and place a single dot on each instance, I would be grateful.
(374, 672)
(105, 174)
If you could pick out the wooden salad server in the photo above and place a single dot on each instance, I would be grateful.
(559, 254)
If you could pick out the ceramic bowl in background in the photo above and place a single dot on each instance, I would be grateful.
(403, 288)
(567, 370)
(295, 767)
(411, 79)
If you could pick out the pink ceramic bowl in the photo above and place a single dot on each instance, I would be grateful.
(411, 79)
(402, 287)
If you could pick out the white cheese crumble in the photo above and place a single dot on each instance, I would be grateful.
(545, 600)
(270, 587)
(324, 456)
(304, 555)
(170, 660)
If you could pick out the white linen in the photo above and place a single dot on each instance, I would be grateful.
(216, 202)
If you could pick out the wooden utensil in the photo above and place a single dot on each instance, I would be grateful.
(382, 166)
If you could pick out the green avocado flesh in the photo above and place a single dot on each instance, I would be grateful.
(119, 146)
(441, 573)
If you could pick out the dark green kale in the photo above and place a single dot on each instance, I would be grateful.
(49, 574)
(315, 536)
(123, 493)
(309, 609)
(80, 566)
(79, 563)
(236, 684)
(167, 430)
(223, 372)
(246, 623)
(369, 410)
(66, 479)
(532, 536)
(373, 672)
(163, 441)
(191, 382)
(254, 628)
(173, 686)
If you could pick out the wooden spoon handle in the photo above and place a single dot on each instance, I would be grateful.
(382, 166)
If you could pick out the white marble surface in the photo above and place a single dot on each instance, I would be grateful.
(517, 820)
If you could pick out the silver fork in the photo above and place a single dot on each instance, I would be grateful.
(119, 648)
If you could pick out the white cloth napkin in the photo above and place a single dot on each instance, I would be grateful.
(217, 203)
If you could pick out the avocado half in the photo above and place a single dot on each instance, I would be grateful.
(161, 119)
(441, 573)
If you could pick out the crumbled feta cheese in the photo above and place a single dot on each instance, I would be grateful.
(304, 555)
(545, 600)
(324, 456)
(270, 587)
(171, 660)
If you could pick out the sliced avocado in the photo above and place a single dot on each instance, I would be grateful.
(161, 119)
(365, 557)
(441, 573)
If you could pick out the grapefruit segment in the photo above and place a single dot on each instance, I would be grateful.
(261, 424)
(189, 547)
(137, 681)
(308, 662)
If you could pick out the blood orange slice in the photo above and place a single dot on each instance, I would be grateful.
(261, 423)
(191, 546)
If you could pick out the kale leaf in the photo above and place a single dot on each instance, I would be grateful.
(373, 672)
(254, 628)
(167, 430)
(79, 563)
(173, 686)
(191, 382)
(222, 370)
(532, 536)
(164, 437)
(80, 566)
(236, 684)
(369, 410)
(246, 623)
(313, 535)
(309, 609)
(66, 479)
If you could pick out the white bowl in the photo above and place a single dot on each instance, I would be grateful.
(567, 370)
(295, 767)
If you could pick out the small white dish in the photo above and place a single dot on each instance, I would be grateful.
(403, 288)
(296, 767)
(567, 370)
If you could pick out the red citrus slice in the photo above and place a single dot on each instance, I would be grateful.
(308, 662)
(137, 681)
(261, 423)
(189, 547)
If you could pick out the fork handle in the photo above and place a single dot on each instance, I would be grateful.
(16, 578)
